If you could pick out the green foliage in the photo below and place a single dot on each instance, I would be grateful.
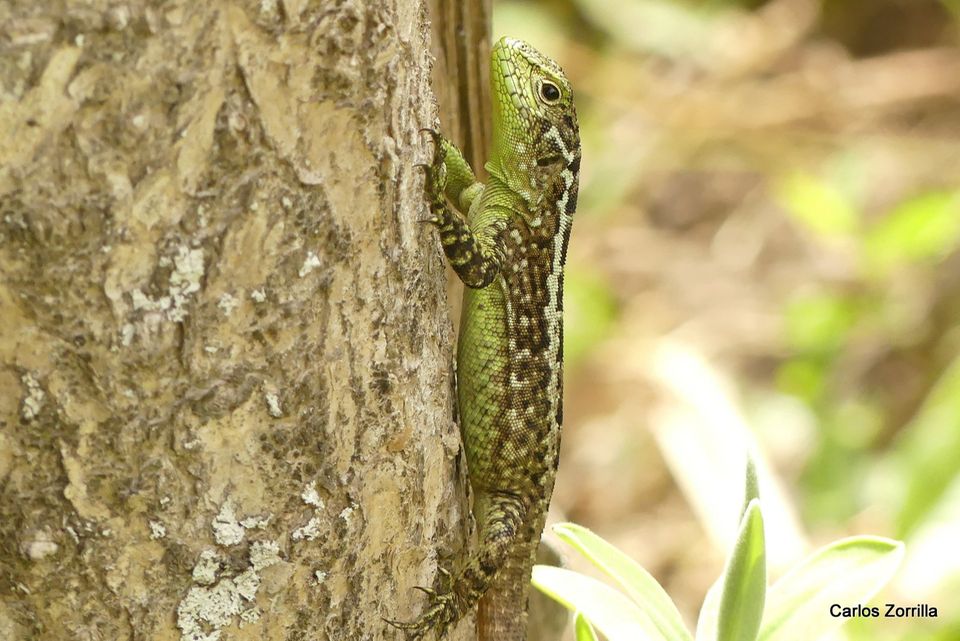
(745, 581)
(819, 205)
(751, 487)
(929, 456)
(616, 616)
(921, 230)
(635, 582)
(582, 628)
(590, 310)
(850, 570)
(827, 326)
(953, 6)
(820, 321)
(739, 607)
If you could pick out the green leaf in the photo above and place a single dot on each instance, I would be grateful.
(590, 310)
(709, 612)
(751, 487)
(583, 629)
(745, 581)
(819, 322)
(636, 582)
(923, 229)
(616, 616)
(818, 205)
(848, 571)
(929, 449)
(953, 6)
(802, 377)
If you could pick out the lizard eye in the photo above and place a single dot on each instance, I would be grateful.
(549, 92)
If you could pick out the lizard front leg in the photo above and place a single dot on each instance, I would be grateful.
(473, 251)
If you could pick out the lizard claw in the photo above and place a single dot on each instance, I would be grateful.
(412, 632)
(442, 610)
(445, 576)
(435, 178)
(430, 593)
(437, 139)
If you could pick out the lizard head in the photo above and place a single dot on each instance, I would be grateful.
(535, 130)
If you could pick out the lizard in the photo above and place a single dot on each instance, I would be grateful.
(507, 241)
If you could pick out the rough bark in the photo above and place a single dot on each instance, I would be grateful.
(225, 384)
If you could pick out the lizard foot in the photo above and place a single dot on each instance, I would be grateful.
(442, 610)
(436, 180)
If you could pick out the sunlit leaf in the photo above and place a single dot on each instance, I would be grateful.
(929, 450)
(818, 205)
(819, 322)
(849, 571)
(744, 581)
(613, 614)
(636, 582)
(803, 378)
(709, 612)
(926, 228)
(751, 486)
(589, 309)
(582, 628)
(953, 6)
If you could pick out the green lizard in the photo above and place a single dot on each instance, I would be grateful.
(509, 251)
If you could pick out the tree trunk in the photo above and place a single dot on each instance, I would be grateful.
(461, 76)
(225, 356)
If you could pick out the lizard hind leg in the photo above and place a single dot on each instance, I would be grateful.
(500, 529)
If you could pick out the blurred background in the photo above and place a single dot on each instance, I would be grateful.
(765, 258)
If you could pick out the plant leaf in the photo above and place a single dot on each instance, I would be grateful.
(583, 629)
(751, 487)
(637, 583)
(820, 322)
(707, 621)
(923, 229)
(744, 581)
(819, 205)
(850, 571)
(928, 451)
(613, 614)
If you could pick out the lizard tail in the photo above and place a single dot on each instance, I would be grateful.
(502, 611)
